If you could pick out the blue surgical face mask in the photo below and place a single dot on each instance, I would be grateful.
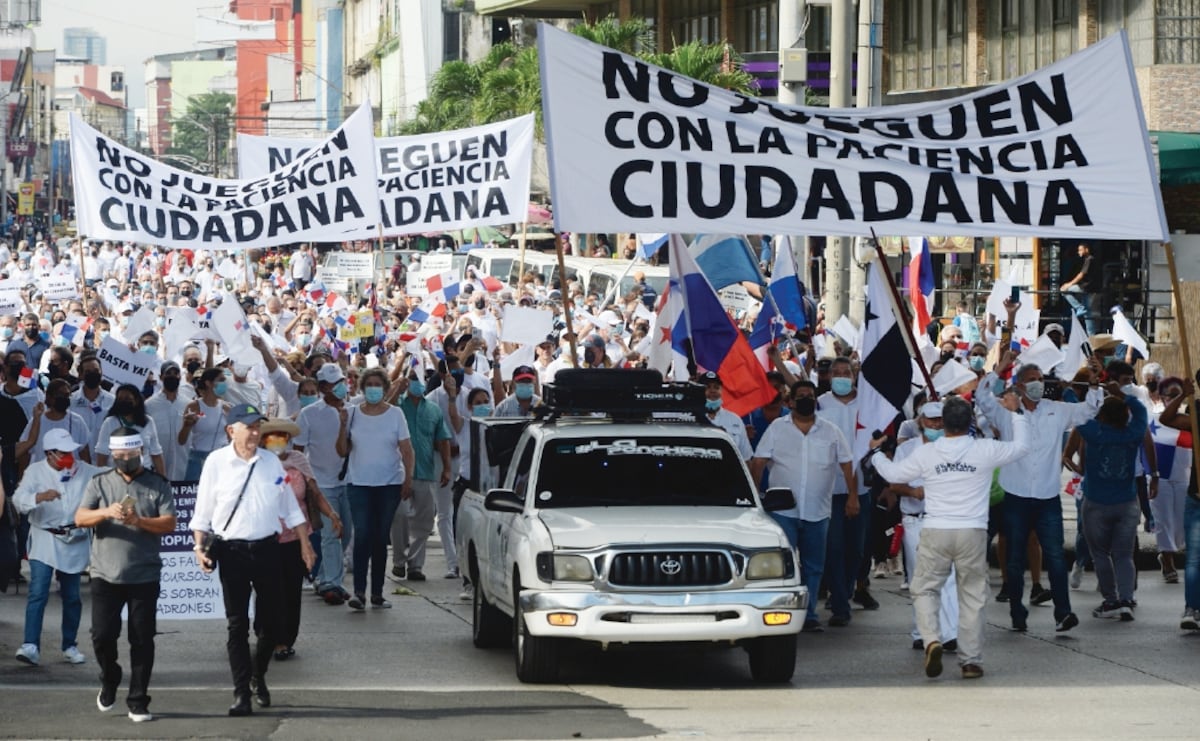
(373, 394)
(44, 336)
(6, 333)
(523, 391)
(976, 362)
(481, 410)
(416, 388)
(220, 388)
(931, 435)
(340, 390)
(841, 386)
(302, 340)
(148, 349)
(306, 399)
(712, 405)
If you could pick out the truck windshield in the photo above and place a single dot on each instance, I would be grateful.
(629, 471)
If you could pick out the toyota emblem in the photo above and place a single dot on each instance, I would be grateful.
(670, 567)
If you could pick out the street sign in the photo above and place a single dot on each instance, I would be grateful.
(25, 196)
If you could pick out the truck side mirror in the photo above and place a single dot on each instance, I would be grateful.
(505, 500)
(777, 499)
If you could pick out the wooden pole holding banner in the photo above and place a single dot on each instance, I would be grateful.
(566, 299)
(82, 280)
(909, 338)
(521, 259)
(1181, 325)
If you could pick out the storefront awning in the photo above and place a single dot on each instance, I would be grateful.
(1179, 156)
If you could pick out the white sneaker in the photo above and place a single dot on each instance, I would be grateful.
(1190, 620)
(141, 717)
(29, 654)
(1077, 575)
(73, 656)
(466, 596)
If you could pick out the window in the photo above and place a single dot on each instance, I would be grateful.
(912, 20)
(955, 18)
(1177, 33)
(697, 20)
(1010, 15)
(1064, 11)
(756, 26)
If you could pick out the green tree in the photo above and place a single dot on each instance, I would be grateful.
(203, 132)
(507, 83)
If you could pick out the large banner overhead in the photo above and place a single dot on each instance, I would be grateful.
(322, 195)
(430, 182)
(1062, 152)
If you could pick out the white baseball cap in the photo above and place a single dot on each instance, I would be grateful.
(59, 440)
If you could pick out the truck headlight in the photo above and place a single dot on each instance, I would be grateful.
(564, 567)
(769, 565)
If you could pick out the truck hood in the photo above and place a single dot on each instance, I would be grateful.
(593, 527)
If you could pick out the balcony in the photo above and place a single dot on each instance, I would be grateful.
(534, 8)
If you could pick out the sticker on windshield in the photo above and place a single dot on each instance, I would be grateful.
(632, 447)
(545, 496)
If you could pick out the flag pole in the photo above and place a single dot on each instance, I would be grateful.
(566, 299)
(1181, 324)
(909, 337)
(83, 278)
(521, 266)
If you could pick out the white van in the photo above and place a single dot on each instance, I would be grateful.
(494, 261)
(602, 279)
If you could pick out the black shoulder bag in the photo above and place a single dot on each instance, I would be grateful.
(210, 540)
(346, 460)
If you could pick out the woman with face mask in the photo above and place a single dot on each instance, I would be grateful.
(276, 439)
(55, 414)
(203, 427)
(129, 411)
(374, 435)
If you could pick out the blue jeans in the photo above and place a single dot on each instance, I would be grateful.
(844, 551)
(1023, 515)
(1082, 554)
(1191, 569)
(372, 508)
(39, 595)
(333, 566)
(808, 538)
(1080, 302)
(1111, 531)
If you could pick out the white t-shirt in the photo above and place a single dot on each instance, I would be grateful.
(72, 423)
(374, 447)
(733, 424)
(319, 425)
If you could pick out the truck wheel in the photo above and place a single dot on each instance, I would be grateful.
(489, 626)
(773, 660)
(537, 658)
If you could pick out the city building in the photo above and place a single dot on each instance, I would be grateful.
(206, 70)
(85, 43)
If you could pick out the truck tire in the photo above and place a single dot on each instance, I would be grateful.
(772, 660)
(489, 626)
(537, 658)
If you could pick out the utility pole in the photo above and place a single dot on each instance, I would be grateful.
(793, 74)
(837, 248)
(868, 93)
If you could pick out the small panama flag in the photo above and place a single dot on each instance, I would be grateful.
(316, 292)
(203, 313)
(26, 379)
(75, 329)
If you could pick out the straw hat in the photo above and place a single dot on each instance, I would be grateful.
(278, 425)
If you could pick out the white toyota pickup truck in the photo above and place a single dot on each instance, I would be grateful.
(615, 526)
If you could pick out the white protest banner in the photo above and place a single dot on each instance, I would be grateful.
(140, 323)
(10, 298)
(633, 147)
(447, 180)
(59, 287)
(526, 326)
(186, 592)
(1042, 353)
(120, 365)
(231, 325)
(355, 265)
(523, 355)
(322, 195)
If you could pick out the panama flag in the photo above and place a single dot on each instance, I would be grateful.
(650, 244)
(885, 379)
(316, 292)
(766, 329)
(26, 379)
(725, 259)
(786, 288)
(1172, 448)
(75, 329)
(431, 307)
(446, 282)
(669, 322)
(717, 344)
(920, 282)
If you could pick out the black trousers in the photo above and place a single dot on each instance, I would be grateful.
(243, 565)
(292, 570)
(108, 600)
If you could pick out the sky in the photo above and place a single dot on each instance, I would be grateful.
(135, 29)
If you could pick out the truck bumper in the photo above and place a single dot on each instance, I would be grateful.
(654, 617)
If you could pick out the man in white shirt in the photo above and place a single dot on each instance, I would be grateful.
(242, 498)
(166, 408)
(722, 417)
(957, 477)
(805, 454)
(1033, 486)
(302, 267)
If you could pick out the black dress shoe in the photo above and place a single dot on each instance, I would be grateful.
(262, 695)
(240, 707)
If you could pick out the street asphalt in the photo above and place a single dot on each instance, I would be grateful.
(412, 673)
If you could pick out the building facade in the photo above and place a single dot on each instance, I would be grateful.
(207, 70)
(85, 43)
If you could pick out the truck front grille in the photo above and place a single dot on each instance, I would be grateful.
(670, 569)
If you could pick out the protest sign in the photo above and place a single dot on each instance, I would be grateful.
(232, 326)
(121, 365)
(186, 593)
(322, 195)
(355, 265)
(362, 327)
(633, 147)
(59, 287)
(445, 180)
(526, 326)
(141, 322)
(10, 298)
